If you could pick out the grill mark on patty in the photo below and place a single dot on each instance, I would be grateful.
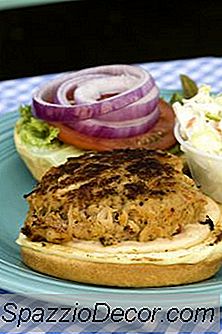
(70, 167)
(132, 190)
(93, 191)
(137, 162)
(150, 167)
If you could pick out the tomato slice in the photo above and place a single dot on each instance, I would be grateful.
(159, 137)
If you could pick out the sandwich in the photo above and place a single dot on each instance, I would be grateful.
(126, 218)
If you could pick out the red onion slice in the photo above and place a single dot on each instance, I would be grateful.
(92, 91)
(44, 105)
(138, 109)
(105, 129)
(65, 91)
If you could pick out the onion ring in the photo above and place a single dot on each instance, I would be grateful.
(125, 129)
(45, 108)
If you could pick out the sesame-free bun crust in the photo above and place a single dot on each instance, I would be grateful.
(122, 275)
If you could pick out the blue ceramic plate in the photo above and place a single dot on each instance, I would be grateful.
(15, 180)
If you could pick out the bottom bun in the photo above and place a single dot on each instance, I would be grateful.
(122, 275)
(190, 256)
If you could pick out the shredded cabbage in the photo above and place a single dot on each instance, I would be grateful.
(200, 119)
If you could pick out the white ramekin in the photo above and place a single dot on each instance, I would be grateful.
(206, 169)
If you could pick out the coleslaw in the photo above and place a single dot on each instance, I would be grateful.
(200, 120)
(199, 132)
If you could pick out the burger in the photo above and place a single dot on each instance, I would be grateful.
(100, 109)
(125, 217)
(111, 207)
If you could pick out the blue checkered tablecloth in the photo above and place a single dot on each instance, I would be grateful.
(166, 74)
(202, 70)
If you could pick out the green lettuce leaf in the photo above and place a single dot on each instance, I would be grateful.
(35, 132)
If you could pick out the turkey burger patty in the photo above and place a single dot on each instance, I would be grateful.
(125, 218)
